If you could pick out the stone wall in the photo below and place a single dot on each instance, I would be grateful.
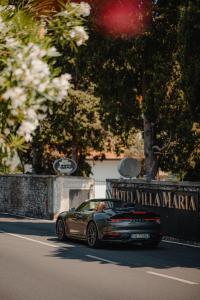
(42, 196)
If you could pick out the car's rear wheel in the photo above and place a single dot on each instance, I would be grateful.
(92, 235)
(60, 230)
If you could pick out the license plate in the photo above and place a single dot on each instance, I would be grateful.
(140, 235)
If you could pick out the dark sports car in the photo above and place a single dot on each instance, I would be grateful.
(109, 220)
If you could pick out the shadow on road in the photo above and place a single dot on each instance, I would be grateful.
(133, 256)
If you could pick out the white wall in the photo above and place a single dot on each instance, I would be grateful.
(103, 170)
(62, 185)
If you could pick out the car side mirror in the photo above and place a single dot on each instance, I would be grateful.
(72, 209)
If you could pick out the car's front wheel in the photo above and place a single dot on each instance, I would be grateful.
(60, 230)
(92, 235)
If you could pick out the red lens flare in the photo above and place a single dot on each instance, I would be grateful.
(120, 18)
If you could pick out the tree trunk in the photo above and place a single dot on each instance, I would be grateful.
(151, 163)
(74, 150)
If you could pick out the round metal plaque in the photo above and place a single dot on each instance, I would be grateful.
(65, 166)
(129, 167)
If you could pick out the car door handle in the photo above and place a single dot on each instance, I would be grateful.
(79, 216)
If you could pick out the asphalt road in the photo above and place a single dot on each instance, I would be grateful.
(34, 266)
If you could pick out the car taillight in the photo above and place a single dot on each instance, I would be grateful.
(120, 220)
(157, 220)
(113, 234)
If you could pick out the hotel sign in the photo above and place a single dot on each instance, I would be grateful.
(166, 199)
(162, 196)
(178, 204)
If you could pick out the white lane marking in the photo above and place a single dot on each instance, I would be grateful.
(103, 259)
(172, 277)
(182, 244)
(28, 239)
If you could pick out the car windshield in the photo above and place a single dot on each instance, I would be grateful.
(109, 204)
(99, 205)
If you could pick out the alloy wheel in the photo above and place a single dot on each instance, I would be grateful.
(60, 230)
(92, 235)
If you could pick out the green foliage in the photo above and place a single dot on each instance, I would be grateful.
(79, 125)
(8, 149)
(75, 123)
(160, 67)
(61, 25)
(171, 101)
(189, 39)
(163, 66)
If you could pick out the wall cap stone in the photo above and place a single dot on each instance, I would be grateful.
(155, 182)
(46, 176)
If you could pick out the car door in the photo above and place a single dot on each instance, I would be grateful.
(77, 220)
(85, 214)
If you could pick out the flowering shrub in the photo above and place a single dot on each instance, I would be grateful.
(66, 26)
(28, 84)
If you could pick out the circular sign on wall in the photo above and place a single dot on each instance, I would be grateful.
(129, 167)
(65, 166)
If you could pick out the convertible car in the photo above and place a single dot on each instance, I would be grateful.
(109, 220)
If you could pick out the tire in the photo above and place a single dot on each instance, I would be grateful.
(92, 235)
(60, 230)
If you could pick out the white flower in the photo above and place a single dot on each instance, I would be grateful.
(31, 113)
(52, 52)
(10, 122)
(14, 112)
(18, 72)
(61, 84)
(11, 7)
(26, 78)
(72, 33)
(18, 101)
(84, 9)
(7, 131)
(14, 162)
(41, 117)
(2, 7)
(64, 13)
(3, 27)
(35, 51)
(26, 128)
(43, 108)
(19, 56)
(79, 34)
(17, 95)
(42, 87)
(12, 42)
(39, 67)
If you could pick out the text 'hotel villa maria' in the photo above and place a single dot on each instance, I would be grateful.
(167, 199)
